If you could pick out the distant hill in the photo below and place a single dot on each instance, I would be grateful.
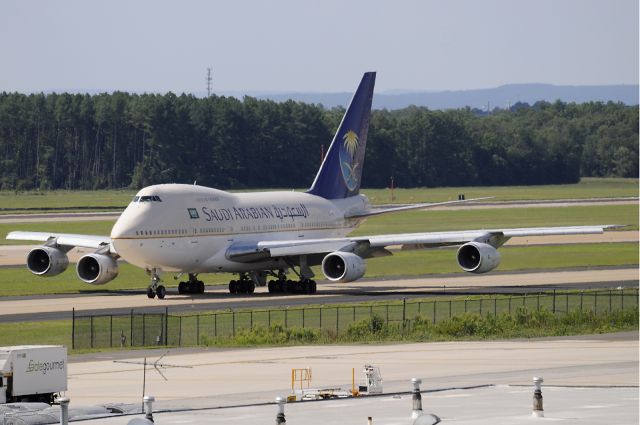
(499, 97)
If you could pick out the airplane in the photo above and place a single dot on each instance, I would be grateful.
(191, 229)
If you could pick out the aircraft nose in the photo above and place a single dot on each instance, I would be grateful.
(123, 228)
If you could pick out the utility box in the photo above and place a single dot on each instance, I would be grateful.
(372, 379)
(32, 373)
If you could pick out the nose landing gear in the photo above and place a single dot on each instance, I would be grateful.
(154, 288)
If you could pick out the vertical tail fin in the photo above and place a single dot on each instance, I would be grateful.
(341, 171)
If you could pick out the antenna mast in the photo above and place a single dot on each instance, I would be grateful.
(209, 79)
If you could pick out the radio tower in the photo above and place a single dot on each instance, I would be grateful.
(209, 79)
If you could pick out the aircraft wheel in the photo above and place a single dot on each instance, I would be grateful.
(161, 292)
(313, 288)
(200, 287)
(233, 287)
(150, 293)
(270, 287)
(251, 287)
(181, 288)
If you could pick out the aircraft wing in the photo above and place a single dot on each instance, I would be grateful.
(67, 240)
(386, 210)
(371, 246)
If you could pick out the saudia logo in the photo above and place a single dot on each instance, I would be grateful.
(347, 157)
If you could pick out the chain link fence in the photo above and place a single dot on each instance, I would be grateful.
(137, 329)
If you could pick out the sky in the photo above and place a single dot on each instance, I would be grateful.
(317, 46)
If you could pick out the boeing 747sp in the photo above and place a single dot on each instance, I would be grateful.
(190, 229)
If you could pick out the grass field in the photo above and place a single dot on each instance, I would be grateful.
(412, 221)
(11, 202)
(19, 281)
(586, 188)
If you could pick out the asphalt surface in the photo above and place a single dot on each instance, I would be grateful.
(55, 307)
(587, 380)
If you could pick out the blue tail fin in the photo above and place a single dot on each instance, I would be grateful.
(340, 173)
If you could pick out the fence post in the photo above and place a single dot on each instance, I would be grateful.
(495, 307)
(465, 305)
(566, 309)
(554, 301)
(131, 329)
(233, 322)
(215, 325)
(303, 310)
(449, 309)
(91, 330)
(166, 326)
(73, 328)
(269, 316)
(286, 317)
(510, 305)
(480, 307)
(609, 300)
(581, 293)
(595, 303)
(144, 329)
(538, 301)
(434, 311)
(337, 320)
(251, 320)
(404, 311)
(354, 313)
(180, 332)
(387, 305)
(111, 330)
(198, 329)
(622, 298)
(321, 308)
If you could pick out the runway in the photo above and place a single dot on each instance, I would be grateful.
(52, 307)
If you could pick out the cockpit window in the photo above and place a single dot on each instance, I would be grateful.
(150, 199)
(135, 199)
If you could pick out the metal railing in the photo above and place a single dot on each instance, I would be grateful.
(137, 329)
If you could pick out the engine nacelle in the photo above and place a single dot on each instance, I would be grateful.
(97, 269)
(47, 261)
(476, 257)
(343, 267)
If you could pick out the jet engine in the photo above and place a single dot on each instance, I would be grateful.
(476, 257)
(97, 269)
(47, 261)
(343, 267)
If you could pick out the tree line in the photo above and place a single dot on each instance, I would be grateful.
(81, 141)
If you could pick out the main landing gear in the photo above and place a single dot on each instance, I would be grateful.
(284, 285)
(154, 288)
(192, 286)
(244, 285)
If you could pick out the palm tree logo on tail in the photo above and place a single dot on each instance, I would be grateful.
(347, 157)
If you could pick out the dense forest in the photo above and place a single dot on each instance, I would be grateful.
(75, 141)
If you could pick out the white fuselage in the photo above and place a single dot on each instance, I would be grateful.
(189, 228)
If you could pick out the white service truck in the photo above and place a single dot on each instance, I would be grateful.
(32, 373)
